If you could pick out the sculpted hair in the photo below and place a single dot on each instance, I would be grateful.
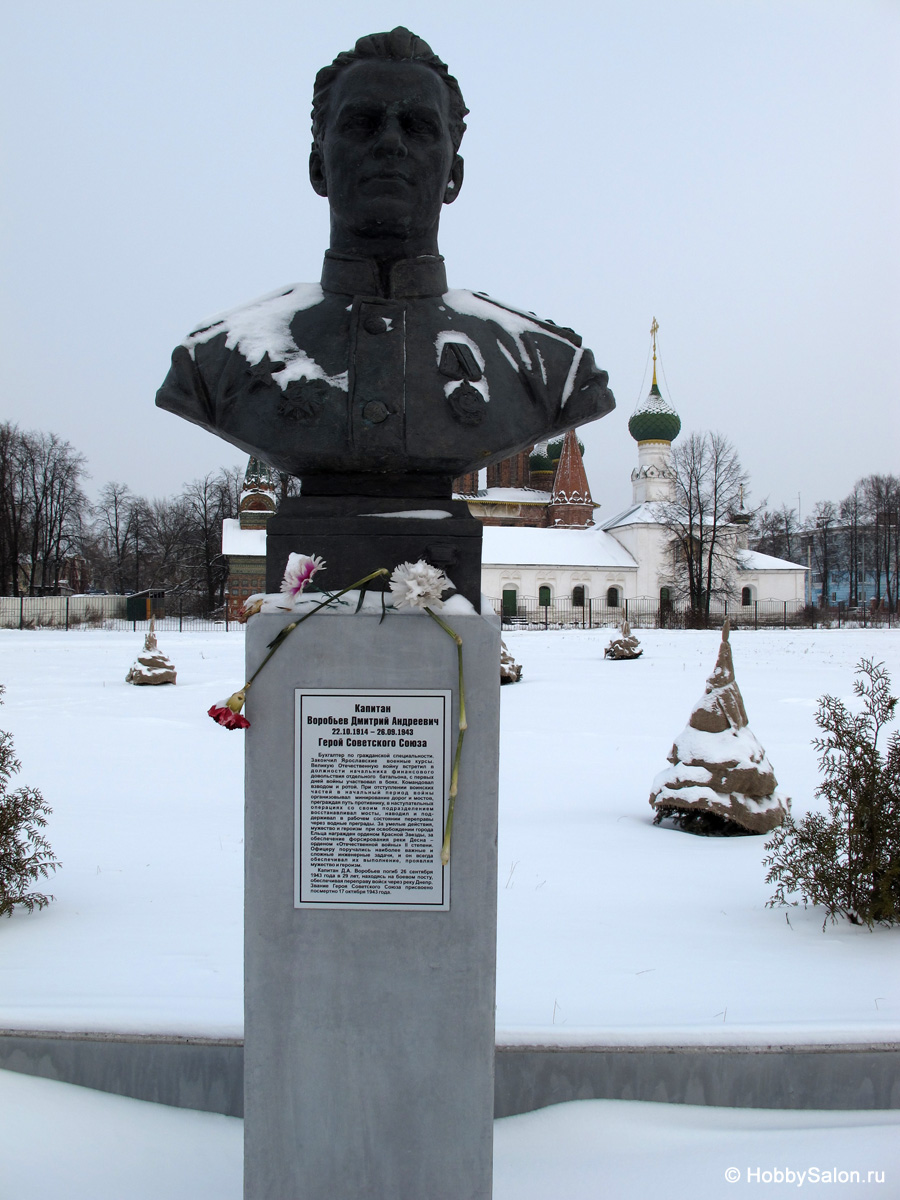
(400, 46)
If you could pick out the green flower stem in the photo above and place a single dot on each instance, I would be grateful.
(283, 633)
(463, 726)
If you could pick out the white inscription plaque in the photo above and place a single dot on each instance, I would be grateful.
(371, 777)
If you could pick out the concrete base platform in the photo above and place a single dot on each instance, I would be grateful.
(208, 1073)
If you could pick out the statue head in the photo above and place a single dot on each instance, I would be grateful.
(387, 122)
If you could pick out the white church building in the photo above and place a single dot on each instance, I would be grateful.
(627, 558)
(542, 548)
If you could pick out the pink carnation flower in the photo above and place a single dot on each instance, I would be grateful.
(298, 573)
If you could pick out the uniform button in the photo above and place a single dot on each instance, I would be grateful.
(375, 325)
(376, 412)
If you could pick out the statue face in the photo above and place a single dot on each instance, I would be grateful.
(386, 161)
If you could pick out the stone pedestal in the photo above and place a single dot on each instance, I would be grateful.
(357, 534)
(369, 1034)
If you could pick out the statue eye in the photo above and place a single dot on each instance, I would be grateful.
(359, 122)
(420, 126)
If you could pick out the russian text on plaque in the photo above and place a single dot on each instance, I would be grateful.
(371, 778)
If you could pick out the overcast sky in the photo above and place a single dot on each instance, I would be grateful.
(730, 167)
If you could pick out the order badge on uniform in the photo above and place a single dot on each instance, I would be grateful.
(370, 793)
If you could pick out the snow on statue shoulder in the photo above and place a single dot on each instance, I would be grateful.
(321, 381)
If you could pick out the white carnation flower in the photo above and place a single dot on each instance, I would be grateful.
(417, 585)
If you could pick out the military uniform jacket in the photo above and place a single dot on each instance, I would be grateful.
(400, 376)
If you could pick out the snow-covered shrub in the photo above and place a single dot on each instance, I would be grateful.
(25, 854)
(510, 670)
(720, 782)
(623, 647)
(848, 860)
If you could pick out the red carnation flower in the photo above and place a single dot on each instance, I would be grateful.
(228, 713)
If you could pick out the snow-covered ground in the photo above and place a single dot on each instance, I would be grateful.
(109, 1148)
(610, 930)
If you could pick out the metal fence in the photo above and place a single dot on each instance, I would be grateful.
(651, 614)
(112, 612)
(838, 616)
(104, 612)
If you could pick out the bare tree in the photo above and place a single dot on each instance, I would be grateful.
(166, 529)
(41, 509)
(114, 539)
(790, 533)
(208, 502)
(231, 484)
(288, 485)
(766, 531)
(892, 546)
(54, 471)
(173, 544)
(777, 532)
(882, 505)
(708, 489)
(852, 542)
(15, 509)
(822, 530)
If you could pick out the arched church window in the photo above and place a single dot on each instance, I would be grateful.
(612, 597)
(578, 596)
(746, 596)
(544, 596)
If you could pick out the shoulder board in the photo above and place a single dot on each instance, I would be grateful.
(550, 326)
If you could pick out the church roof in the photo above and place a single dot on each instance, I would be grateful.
(259, 477)
(752, 560)
(637, 514)
(747, 560)
(654, 419)
(570, 485)
(523, 547)
(250, 542)
(506, 495)
(545, 455)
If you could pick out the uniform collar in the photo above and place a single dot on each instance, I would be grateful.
(407, 277)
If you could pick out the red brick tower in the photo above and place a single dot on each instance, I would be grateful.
(571, 506)
(511, 472)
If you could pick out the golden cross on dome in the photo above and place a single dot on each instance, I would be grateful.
(653, 331)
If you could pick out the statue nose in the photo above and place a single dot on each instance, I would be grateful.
(391, 140)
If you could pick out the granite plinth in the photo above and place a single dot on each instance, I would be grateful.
(369, 1035)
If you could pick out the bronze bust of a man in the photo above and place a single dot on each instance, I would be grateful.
(380, 374)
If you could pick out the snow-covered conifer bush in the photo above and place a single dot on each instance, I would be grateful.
(848, 860)
(720, 782)
(624, 647)
(25, 854)
(510, 670)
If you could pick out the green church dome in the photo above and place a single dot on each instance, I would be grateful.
(654, 419)
(545, 455)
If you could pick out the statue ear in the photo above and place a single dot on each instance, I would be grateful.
(317, 172)
(454, 184)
